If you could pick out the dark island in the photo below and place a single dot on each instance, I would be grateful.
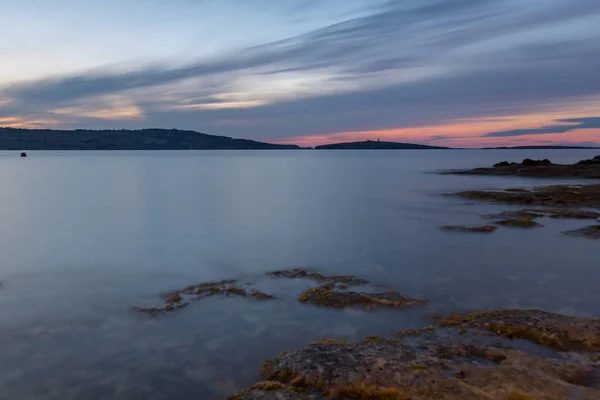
(376, 145)
(125, 139)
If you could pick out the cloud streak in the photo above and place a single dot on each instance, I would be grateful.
(572, 124)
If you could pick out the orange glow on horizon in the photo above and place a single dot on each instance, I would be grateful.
(470, 132)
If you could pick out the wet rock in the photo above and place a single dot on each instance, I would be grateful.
(565, 213)
(549, 196)
(23, 155)
(448, 369)
(181, 298)
(257, 294)
(326, 297)
(553, 330)
(272, 390)
(318, 277)
(463, 228)
(589, 162)
(518, 223)
(590, 232)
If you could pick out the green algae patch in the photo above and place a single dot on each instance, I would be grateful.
(327, 297)
(552, 330)
(443, 368)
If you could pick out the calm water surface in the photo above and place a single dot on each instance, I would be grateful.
(87, 235)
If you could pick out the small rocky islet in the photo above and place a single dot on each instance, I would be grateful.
(589, 169)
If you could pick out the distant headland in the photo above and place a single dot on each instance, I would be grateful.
(125, 139)
(177, 139)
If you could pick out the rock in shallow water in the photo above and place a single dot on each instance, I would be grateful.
(519, 223)
(327, 297)
(464, 228)
(590, 232)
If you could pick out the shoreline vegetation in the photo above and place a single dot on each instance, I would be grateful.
(176, 139)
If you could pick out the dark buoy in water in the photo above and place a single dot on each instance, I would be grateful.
(23, 155)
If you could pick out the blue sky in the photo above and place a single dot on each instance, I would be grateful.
(450, 72)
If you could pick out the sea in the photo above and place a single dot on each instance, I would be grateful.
(87, 236)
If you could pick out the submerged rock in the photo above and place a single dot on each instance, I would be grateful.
(553, 330)
(591, 232)
(181, 298)
(327, 297)
(530, 214)
(445, 369)
(318, 277)
(569, 213)
(518, 223)
(463, 228)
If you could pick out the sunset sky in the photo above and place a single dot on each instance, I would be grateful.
(464, 73)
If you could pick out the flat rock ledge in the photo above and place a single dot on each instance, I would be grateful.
(443, 367)
(559, 196)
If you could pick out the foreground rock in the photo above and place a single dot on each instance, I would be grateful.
(548, 196)
(539, 168)
(442, 366)
(556, 213)
(181, 298)
(464, 228)
(449, 369)
(326, 296)
(553, 330)
(590, 232)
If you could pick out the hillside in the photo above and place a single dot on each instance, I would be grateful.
(376, 145)
(144, 139)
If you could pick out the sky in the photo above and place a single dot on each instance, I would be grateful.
(461, 73)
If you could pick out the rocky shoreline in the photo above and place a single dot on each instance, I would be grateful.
(578, 202)
(503, 354)
(476, 355)
(588, 169)
(450, 361)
